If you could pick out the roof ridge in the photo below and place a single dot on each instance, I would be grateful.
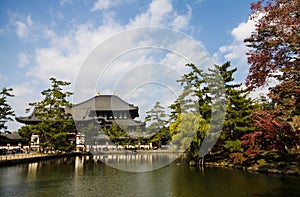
(130, 104)
(101, 95)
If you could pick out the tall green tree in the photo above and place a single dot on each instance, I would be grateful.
(156, 118)
(56, 124)
(238, 108)
(194, 96)
(222, 105)
(6, 111)
(192, 109)
(188, 132)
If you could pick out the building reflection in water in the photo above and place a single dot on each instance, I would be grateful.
(137, 162)
(32, 171)
(79, 163)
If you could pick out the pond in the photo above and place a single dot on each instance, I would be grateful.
(90, 176)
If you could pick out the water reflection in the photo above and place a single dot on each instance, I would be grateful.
(137, 162)
(89, 176)
(32, 170)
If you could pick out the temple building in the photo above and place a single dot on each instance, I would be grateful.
(107, 110)
(103, 109)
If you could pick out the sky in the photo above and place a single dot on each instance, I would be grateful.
(136, 49)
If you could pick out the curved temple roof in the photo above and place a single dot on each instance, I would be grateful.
(106, 103)
(81, 111)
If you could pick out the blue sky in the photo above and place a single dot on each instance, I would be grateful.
(41, 39)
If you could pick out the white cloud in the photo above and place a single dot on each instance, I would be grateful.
(104, 4)
(181, 21)
(236, 50)
(22, 24)
(23, 95)
(29, 22)
(243, 30)
(23, 60)
(158, 10)
(162, 13)
(21, 29)
(236, 53)
(65, 53)
(64, 2)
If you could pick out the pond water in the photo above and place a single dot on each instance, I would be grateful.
(89, 176)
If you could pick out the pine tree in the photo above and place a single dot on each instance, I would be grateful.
(239, 106)
(191, 113)
(56, 124)
(6, 112)
(223, 105)
(156, 117)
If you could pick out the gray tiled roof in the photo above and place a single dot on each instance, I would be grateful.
(30, 118)
(106, 103)
(78, 113)
(12, 136)
(82, 110)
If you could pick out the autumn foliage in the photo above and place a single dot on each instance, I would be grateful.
(274, 53)
(275, 49)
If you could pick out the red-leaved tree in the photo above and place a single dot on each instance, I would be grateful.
(275, 53)
(275, 44)
(275, 133)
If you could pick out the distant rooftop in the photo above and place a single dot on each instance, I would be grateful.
(105, 103)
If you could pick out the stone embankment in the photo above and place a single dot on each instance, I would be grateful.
(278, 168)
(11, 159)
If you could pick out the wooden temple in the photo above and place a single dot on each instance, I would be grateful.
(104, 110)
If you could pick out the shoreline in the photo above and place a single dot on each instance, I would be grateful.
(280, 168)
(135, 152)
(266, 169)
(8, 160)
(31, 158)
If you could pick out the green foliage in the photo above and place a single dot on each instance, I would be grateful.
(187, 129)
(192, 96)
(239, 106)
(6, 112)
(162, 136)
(26, 132)
(56, 126)
(191, 113)
(156, 117)
(54, 103)
(233, 145)
(214, 95)
(238, 110)
(115, 132)
(91, 131)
